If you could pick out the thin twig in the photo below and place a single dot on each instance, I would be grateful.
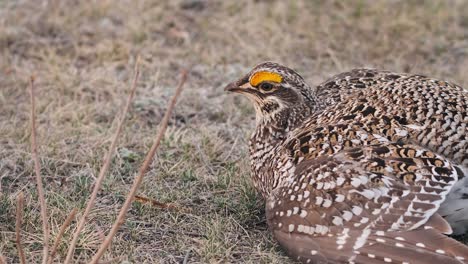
(19, 219)
(37, 168)
(2, 259)
(152, 202)
(104, 168)
(138, 179)
(64, 226)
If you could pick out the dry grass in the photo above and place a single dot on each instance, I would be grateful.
(82, 54)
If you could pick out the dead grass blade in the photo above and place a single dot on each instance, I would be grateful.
(64, 226)
(104, 168)
(19, 219)
(37, 169)
(146, 163)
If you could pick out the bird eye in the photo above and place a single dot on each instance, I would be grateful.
(266, 86)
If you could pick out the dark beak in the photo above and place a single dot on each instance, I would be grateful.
(236, 86)
(232, 87)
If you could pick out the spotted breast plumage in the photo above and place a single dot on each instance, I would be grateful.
(368, 167)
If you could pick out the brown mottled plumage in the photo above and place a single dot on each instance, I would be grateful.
(368, 167)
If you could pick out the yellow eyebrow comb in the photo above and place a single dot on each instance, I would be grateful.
(262, 76)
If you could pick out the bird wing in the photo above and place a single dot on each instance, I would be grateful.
(434, 113)
(366, 203)
(340, 87)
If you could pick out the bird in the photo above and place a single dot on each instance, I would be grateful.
(370, 166)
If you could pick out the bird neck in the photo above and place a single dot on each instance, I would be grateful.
(266, 142)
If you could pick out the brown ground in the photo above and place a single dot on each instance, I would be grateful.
(83, 52)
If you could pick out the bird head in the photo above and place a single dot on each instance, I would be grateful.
(273, 88)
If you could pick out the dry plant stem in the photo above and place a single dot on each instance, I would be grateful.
(155, 203)
(64, 226)
(104, 168)
(2, 259)
(146, 163)
(37, 169)
(19, 218)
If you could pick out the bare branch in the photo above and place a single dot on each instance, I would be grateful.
(37, 169)
(104, 168)
(64, 226)
(19, 219)
(138, 179)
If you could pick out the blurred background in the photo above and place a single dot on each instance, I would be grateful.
(82, 54)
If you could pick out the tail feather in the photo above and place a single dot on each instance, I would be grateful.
(417, 247)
